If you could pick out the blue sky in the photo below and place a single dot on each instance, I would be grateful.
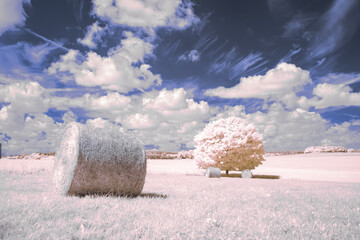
(162, 69)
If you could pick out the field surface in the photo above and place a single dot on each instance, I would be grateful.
(182, 207)
(179, 203)
(333, 167)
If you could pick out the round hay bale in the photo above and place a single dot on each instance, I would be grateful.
(212, 172)
(246, 174)
(99, 161)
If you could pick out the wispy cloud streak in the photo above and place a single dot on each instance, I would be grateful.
(337, 27)
(244, 64)
(205, 43)
(52, 42)
(46, 39)
(288, 57)
(235, 66)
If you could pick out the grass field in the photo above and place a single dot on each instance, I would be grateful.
(333, 167)
(179, 203)
(182, 207)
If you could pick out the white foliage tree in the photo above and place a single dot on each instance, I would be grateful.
(231, 144)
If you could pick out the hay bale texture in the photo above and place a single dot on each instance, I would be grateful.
(246, 174)
(99, 161)
(213, 172)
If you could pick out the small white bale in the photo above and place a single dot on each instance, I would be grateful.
(246, 173)
(99, 161)
(212, 172)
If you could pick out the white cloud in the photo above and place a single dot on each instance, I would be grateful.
(165, 118)
(167, 100)
(24, 97)
(295, 130)
(35, 133)
(285, 130)
(230, 111)
(188, 127)
(174, 104)
(98, 123)
(111, 101)
(138, 121)
(330, 95)
(11, 14)
(119, 71)
(283, 79)
(289, 130)
(155, 117)
(22, 119)
(92, 36)
(165, 126)
(109, 106)
(193, 111)
(146, 14)
(4, 113)
(192, 56)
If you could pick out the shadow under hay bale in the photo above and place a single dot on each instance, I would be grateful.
(114, 194)
(238, 175)
(96, 161)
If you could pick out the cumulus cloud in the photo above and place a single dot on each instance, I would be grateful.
(37, 133)
(192, 56)
(4, 113)
(24, 128)
(123, 70)
(146, 14)
(330, 95)
(109, 106)
(282, 80)
(100, 123)
(25, 97)
(281, 131)
(167, 119)
(92, 36)
(110, 101)
(138, 121)
(163, 118)
(285, 130)
(167, 100)
(29, 133)
(11, 14)
(174, 104)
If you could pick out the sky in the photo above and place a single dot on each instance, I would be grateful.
(162, 69)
